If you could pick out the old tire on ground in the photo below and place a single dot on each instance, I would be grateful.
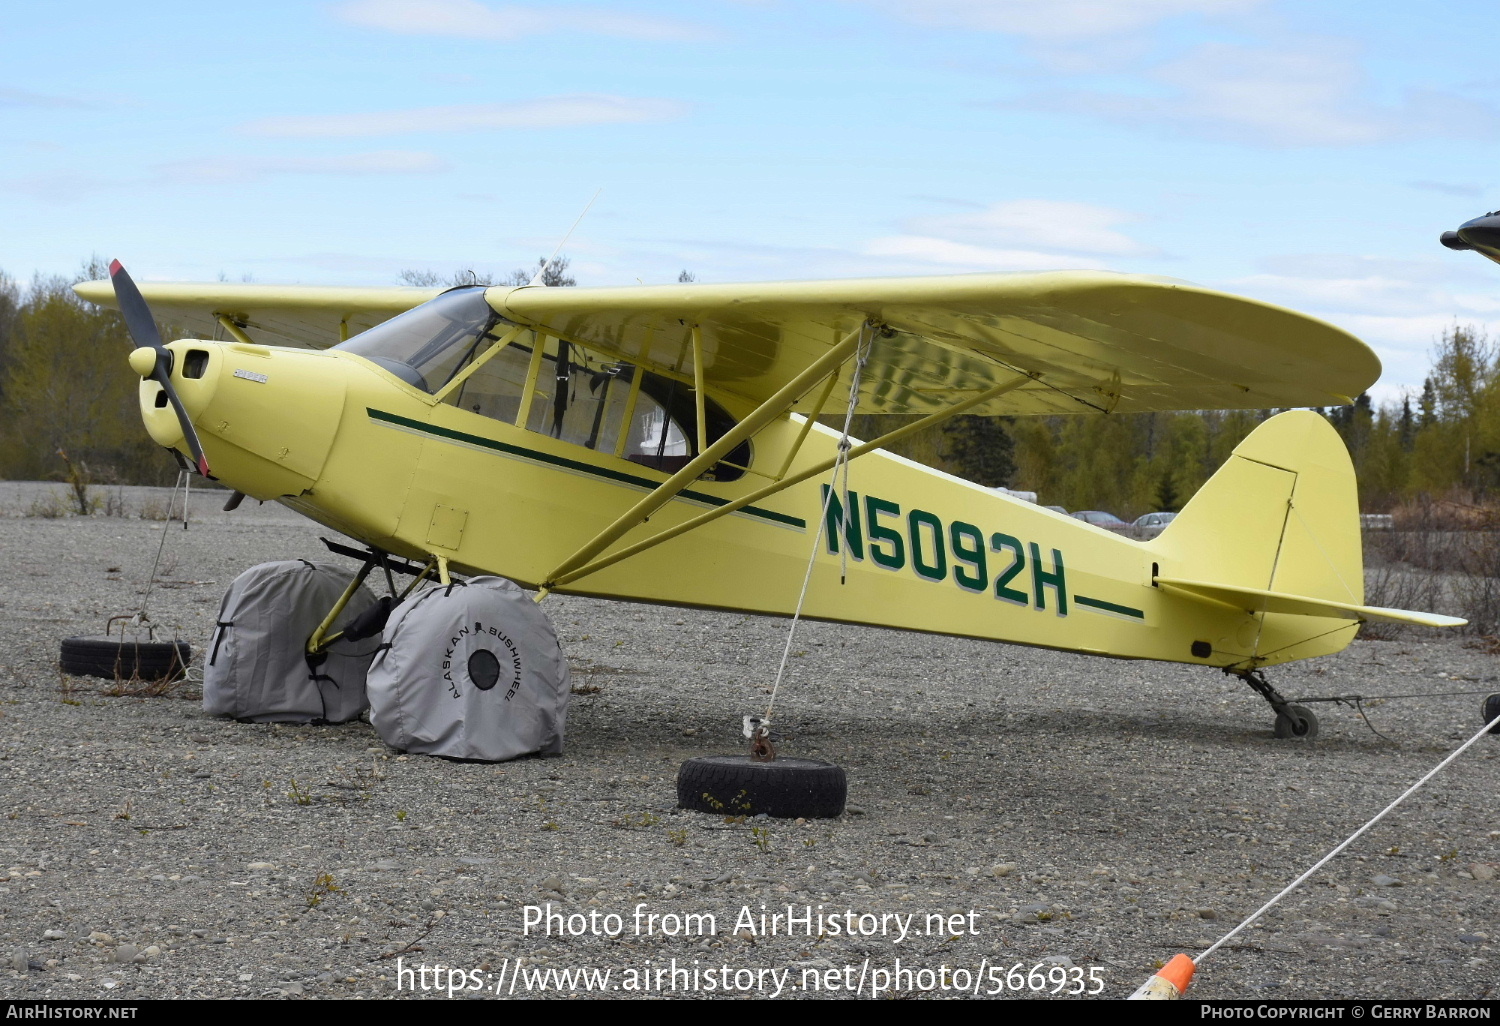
(115, 658)
(1296, 721)
(1491, 710)
(734, 785)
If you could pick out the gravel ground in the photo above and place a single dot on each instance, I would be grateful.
(1089, 813)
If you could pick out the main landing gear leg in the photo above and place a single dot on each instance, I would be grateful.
(1291, 720)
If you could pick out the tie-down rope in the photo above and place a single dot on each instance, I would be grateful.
(1348, 841)
(841, 463)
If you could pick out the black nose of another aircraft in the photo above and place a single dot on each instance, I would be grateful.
(1482, 235)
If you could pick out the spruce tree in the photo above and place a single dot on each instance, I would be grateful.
(980, 450)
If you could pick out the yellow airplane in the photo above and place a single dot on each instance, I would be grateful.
(658, 444)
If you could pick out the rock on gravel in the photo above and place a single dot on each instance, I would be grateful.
(1017, 807)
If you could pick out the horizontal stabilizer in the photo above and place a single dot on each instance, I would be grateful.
(1258, 600)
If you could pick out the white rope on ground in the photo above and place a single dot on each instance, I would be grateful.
(1348, 841)
(841, 462)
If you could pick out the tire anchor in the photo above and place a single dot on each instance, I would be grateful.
(758, 730)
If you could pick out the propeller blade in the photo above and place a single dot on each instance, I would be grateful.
(138, 319)
(188, 431)
(142, 328)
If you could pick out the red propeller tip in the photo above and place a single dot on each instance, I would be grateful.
(203, 465)
(115, 267)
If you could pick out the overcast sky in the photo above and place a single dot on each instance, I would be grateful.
(1304, 153)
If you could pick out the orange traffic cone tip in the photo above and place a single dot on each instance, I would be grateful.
(1179, 972)
(1169, 981)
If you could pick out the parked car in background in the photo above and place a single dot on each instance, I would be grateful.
(1099, 518)
(1149, 526)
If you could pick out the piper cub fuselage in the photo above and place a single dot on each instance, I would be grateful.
(459, 432)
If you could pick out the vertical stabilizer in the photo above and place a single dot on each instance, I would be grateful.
(1281, 515)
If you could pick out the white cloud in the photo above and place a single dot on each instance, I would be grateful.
(1283, 92)
(25, 98)
(1017, 235)
(1404, 345)
(584, 109)
(1402, 334)
(1054, 20)
(1279, 96)
(470, 19)
(1438, 268)
(1047, 224)
(213, 170)
(659, 259)
(60, 187)
(1466, 189)
(945, 253)
(1369, 286)
(1397, 307)
(1375, 294)
(1068, 36)
(1014, 235)
(66, 186)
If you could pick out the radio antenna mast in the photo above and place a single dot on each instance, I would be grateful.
(537, 279)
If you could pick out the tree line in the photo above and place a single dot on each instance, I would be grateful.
(66, 390)
(65, 387)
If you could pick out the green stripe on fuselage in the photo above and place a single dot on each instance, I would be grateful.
(575, 465)
(1109, 607)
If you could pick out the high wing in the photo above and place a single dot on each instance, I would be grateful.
(1096, 341)
(307, 316)
(1093, 341)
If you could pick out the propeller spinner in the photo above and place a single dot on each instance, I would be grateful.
(151, 359)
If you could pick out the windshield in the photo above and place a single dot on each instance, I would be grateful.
(429, 344)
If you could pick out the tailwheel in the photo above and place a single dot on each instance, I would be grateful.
(1296, 721)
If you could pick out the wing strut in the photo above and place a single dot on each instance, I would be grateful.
(559, 578)
(235, 331)
(775, 406)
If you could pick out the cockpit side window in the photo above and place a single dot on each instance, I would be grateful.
(575, 395)
(495, 389)
(580, 398)
(604, 405)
